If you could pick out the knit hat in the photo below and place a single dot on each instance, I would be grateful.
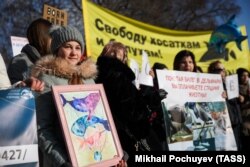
(62, 34)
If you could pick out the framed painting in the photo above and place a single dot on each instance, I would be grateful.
(88, 126)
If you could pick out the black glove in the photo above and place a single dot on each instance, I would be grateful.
(67, 164)
(162, 93)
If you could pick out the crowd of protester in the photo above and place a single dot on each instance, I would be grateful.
(54, 57)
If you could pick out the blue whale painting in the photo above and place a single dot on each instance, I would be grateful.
(80, 126)
(85, 104)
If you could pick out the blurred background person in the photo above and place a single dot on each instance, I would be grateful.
(153, 97)
(33, 83)
(39, 45)
(244, 90)
(127, 105)
(217, 67)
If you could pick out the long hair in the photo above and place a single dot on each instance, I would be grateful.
(212, 67)
(240, 72)
(179, 57)
(112, 48)
(38, 35)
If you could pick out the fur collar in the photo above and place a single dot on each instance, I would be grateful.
(107, 65)
(61, 68)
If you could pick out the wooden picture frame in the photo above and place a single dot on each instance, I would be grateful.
(88, 126)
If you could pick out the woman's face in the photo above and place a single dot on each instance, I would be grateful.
(244, 78)
(71, 51)
(186, 64)
(221, 70)
(120, 55)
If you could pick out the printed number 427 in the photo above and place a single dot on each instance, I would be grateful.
(11, 154)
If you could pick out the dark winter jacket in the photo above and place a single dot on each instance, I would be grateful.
(153, 97)
(20, 66)
(126, 103)
(245, 108)
(236, 119)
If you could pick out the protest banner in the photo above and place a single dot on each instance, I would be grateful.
(195, 113)
(102, 25)
(17, 44)
(18, 129)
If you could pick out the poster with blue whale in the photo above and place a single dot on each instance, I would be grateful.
(18, 128)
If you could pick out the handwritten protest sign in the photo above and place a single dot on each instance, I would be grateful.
(195, 113)
(232, 86)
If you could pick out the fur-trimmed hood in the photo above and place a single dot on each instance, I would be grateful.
(59, 67)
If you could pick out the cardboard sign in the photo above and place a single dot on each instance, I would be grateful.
(18, 129)
(54, 15)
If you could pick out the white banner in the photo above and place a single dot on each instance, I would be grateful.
(195, 113)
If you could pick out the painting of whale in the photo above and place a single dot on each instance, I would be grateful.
(86, 104)
(80, 126)
(88, 127)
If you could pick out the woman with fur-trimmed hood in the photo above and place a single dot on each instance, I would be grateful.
(64, 67)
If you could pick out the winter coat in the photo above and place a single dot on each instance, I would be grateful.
(127, 106)
(153, 97)
(4, 81)
(55, 71)
(245, 108)
(20, 66)
(235, 117)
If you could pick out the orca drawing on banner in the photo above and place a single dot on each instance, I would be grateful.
(228, 32)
